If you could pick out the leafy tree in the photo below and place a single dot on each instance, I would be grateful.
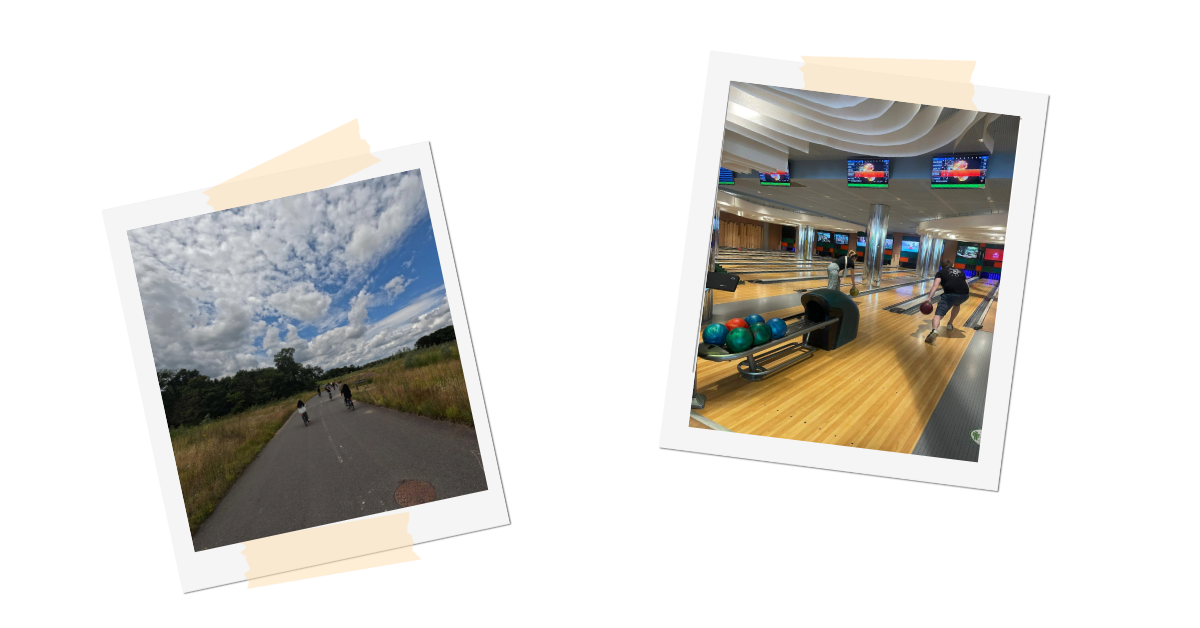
(441, 336)
(190, 397)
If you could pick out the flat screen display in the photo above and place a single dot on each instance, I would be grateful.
(910, 246)
(774, 178)
(862, 240)
(726, 177)
(823, 237)
(968, 252)
(867, 173)
(841, 238)
(887, 246)
(959, 171)
(994, 255)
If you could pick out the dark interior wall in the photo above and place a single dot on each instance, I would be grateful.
(977, 265)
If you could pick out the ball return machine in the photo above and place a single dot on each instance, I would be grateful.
(829, 320)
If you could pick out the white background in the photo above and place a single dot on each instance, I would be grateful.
(557, 132)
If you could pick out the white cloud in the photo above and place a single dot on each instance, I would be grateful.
(302, 301)
(396, 286)
(215, 284)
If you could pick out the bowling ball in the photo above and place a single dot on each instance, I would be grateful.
(739, 339)
(926, 307)
(734, 323)
(778, 328)
(754, 318)
(762, 333)
(854, 291)
(715, 334)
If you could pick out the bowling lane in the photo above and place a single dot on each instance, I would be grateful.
(759, 290)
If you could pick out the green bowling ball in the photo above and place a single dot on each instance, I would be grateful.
(762, 333)
(739, 339)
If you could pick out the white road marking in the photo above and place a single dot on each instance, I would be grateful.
(331, 444)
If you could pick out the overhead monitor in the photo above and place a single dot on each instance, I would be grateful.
(841, 238)
(867, 172)
(774, 178)
(910, 246)
(823, 237)
(862, 240)
(994, 255)
(959, 171)
(968, 252)
(887, 245)
(726, 177)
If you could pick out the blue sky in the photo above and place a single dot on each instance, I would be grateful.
(348, 274)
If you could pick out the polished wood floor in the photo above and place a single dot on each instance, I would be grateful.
(876, 392)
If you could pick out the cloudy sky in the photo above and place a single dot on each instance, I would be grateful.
(348, 274)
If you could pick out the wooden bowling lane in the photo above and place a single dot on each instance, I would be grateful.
(876, 392)
(758, 290)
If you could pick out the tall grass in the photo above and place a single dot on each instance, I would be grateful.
(428, 382)
(210, 457)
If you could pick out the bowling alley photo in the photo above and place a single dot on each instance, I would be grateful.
(856, 306)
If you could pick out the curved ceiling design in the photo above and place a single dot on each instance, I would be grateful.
(764, 125)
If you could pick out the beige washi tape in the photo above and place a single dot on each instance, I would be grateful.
(314, 165)
(926, 82)
(320, 551)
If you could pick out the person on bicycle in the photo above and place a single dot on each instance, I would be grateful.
(302, 410)
(346, 394)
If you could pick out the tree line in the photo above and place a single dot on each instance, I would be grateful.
(190, 398)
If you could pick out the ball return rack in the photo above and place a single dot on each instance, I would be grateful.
(769, 358)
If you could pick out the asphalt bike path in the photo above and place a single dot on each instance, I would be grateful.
(344, 464)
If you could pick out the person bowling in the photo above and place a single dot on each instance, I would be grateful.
(839, 264)
(955, 292)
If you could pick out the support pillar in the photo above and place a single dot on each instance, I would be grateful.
(804, 242)
(766, 227)
(923, 255)
(877, 226)
(935, 257)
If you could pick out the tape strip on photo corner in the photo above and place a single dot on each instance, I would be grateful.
(926, 82)
(319, 551)
(314, 165)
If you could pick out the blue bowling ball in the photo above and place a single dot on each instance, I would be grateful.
(778, 328)
(715, 334)
(754, 318)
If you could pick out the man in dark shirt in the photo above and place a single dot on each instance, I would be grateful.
(955, 292)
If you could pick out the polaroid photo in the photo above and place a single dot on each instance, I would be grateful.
(854, 269)
(307, 373)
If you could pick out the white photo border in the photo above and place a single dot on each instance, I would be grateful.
(427, 522)
(676, 434)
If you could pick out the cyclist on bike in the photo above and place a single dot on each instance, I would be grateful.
(347, 395)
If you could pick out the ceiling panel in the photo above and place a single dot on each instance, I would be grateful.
(910, 200)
